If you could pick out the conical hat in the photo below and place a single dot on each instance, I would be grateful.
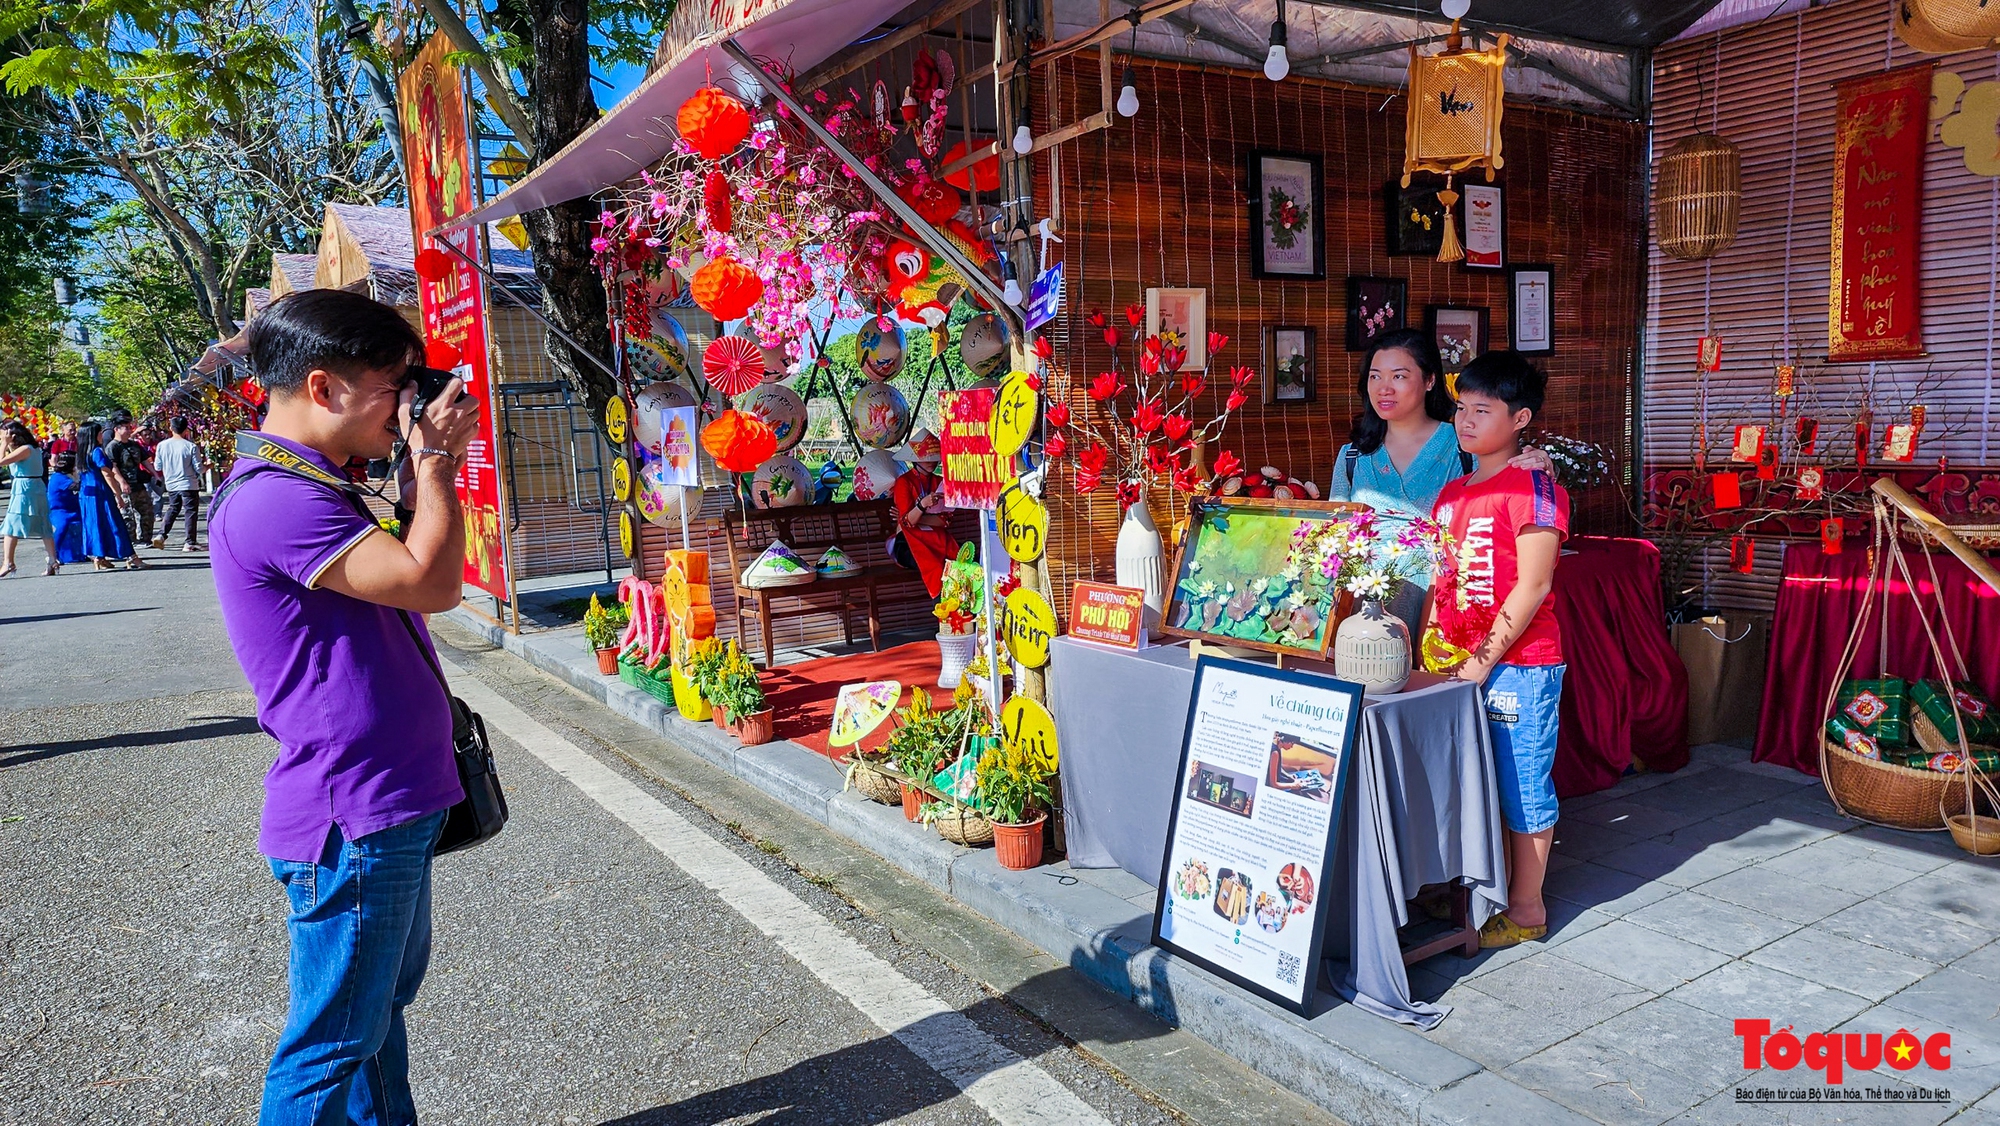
(835, 563)
(778, 566)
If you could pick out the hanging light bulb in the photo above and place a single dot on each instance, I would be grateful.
(1276, 65)
(1128, 96)
(1454, 10)
(1011, 291)
(1024, 141)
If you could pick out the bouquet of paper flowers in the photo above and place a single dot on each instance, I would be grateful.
(1356, 555)
(1579, 465)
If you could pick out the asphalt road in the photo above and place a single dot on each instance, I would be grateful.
(591, 966)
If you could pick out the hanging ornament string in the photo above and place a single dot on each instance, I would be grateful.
(1792, 182)
(1992, 312)
(1714, 126)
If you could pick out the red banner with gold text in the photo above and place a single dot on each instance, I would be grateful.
(451, 295)
(1874, 309)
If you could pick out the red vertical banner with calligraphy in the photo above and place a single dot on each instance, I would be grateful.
(451, 295)
(1874, 307)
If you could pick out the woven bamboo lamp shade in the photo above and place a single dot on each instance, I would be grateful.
(1698, 197)
(1943, 27)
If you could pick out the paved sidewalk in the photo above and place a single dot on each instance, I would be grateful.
(1679, 904)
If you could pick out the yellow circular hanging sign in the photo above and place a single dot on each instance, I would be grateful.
(1028, 725)
(616, 419)
(1031, 623)
(621, 480)
(1024, 524)
(627, 534)
(1013, 415)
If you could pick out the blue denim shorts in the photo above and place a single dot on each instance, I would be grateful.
(1523, 711)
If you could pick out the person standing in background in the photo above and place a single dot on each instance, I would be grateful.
(179, 463)
(65, 444)
(65, 516)
(128, 459)
(28, 511)
(106, 539)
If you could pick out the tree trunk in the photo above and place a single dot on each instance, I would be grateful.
(561, 106)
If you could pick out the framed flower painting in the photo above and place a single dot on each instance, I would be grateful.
(1375, 306)
(1287, 216)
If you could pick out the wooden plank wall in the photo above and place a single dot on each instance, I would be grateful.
(1161, 200)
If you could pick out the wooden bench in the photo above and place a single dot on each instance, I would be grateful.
(859, 528)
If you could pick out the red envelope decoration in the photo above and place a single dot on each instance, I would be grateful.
(1728, 490)
(1787, 382)
(1832, 535)
(1812, 483)
(1742, 554)
(1767, 463)
(1749, 445)
(1708, 354)
(1899, 442)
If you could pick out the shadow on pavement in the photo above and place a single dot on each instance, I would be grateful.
(879, 1080)
(217, 729)
(78, 614)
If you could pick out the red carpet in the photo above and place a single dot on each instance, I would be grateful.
(801, 696)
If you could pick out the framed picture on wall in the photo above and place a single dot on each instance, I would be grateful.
(1291, 366)
(1531, 308)
(1374, 306)
(1287, 216)
(1460, 332)
(1485, 225)
(1184, 314)
(1414, 219)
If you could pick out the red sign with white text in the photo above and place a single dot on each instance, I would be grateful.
(973, 473)
(451, 295)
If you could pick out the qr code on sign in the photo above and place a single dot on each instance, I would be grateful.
(1288, 968)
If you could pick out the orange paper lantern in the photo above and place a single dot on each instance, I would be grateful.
(726, 288)
(713, 123)
(738, 442)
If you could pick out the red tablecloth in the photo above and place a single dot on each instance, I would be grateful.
(1819, 599)
(1625, 694)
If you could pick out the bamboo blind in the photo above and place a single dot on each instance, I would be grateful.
(1160, 200)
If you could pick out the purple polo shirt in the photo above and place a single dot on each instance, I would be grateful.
(363, 729)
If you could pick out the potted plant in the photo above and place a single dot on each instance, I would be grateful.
(601, 630)
(739, 698)
(924, 736)
(1355, 556)
(1014, 788)
(960, 594)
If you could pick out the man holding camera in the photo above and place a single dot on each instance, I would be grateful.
(320, 607)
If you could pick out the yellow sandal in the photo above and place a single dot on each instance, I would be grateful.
(1501, 931)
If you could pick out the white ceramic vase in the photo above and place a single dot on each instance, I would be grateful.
(1372, 649)
(1141, 556)
(957, 650)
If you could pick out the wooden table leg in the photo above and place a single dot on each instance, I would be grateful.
(874, 621)
(764, 608)
(1461, 917)
(847, 617)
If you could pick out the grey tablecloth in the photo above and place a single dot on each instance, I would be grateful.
(1422, 809)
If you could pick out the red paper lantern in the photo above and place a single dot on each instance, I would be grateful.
(726, 288)
(713, 123)
(433, 264)
(738, 442)
(932, 199)
(715, 198)
(985, 174)
(733, 365)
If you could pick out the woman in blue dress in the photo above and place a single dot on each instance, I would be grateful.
(65, 517)
(105, 537)
(28, 509)
(1403, 449)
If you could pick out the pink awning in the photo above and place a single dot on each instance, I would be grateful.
(637, 132)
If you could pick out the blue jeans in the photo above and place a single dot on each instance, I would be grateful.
(360, 926)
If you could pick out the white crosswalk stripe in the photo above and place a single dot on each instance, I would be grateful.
(1011, 1089)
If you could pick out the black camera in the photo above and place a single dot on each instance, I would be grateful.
(430, 384)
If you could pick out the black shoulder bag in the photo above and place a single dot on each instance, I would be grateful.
(482, 812)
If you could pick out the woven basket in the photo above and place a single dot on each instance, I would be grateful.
(1977, 835)
(1932, 740)
(1980, 533)
(1887, 794)
(964, 827)
(1698, 198)
(874, 785)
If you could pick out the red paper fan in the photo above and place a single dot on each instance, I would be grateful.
(733, 365)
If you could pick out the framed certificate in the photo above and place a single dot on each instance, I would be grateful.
(1531, 308)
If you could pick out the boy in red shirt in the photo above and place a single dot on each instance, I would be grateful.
(1492, 598)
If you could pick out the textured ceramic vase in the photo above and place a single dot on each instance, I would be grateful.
(1372, 649)
(957, 650)
(1141, 556)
